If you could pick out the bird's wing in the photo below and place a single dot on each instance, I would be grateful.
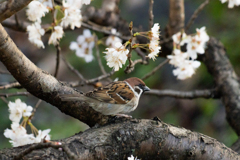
(115, 93)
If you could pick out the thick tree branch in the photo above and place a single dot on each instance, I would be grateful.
(41, 84)
(10, 7)
(226, 81)
(176, 17)
(146, 139)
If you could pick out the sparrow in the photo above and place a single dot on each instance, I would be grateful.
(115, 98)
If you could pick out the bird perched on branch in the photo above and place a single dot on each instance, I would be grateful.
(115, 98)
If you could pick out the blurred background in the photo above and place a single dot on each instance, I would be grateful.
(206, 116)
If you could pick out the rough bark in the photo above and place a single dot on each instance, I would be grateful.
(149, 139)
(41, 84)
(10, 7)
(146, 139)
(226, 81)
(176, 17)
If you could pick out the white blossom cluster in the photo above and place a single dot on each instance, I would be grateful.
(116, 56)
(112, 40)
(185, 62)
(38, 8)
(84, 45)
(132, 158)
(231, 3)
(18, 133)
(154, 42)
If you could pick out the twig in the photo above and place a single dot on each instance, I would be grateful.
(4, 100)
(150, 14)
(141, 54)
(11, 85)
(4, 72)
(71, 68)
(99, 59)
(165, 40)
(98, 56)
(16, 20)
(35, 108)
(195, 14)
(33, 147)
(8, 8)
(14, 94)
(208, 93)
(130, 67)
(20, 27)
(102, 30)
(155, 69)
(57, 59)
(92, 81)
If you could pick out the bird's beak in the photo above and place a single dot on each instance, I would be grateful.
(145, 88)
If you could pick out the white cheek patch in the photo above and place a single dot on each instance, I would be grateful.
(138, 91)
(138, 94)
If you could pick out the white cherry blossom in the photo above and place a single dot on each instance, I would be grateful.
(34, 34)
(84, 45)
(154, 49)
(231, 3)
(56, 35)
(155, 30)
(186, 69)
(86, 2)
(177, 58)
(18, 135)
(16, 110)
(47, 3)
(197, 43)
(36, 10)
(111, 40)
(72, 14)
(132, 158)
(43, 135)
(116, 56)
(154, 46)
(27, 111)
(180, 38)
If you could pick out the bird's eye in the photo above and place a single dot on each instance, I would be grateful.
(137, 90)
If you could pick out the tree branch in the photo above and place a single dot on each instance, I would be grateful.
(155, 69)
(43, 85)
(208, 93)
(58, 49)
(150, 14)
(176, 17)
(195, 14)
(146, 139)
(45, 145)
(10, 85)
(10, 7)
(225, 79)
(6, 95)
